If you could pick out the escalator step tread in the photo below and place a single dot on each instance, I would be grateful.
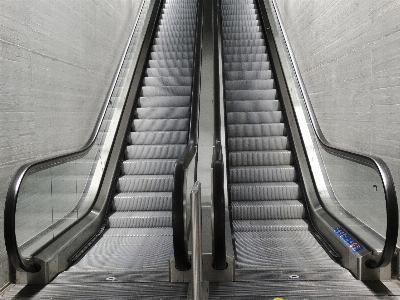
(149, 202)
(262, 174)
(253, 130)
(261, 158)
(162, 112)
(258, 143)
(154, 151)
(148, 167)
(261, 210)
(254, 117)
(265, 191)
(140, 219)
(252, 105)
(269, 225)
(160, 124)
(158, 138)
(145, 183)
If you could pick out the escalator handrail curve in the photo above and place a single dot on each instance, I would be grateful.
(392, 221)
(181, 254)
(27, 264)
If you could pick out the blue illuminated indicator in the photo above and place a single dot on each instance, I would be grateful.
(347, 239)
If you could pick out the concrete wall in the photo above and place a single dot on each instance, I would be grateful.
(348, 54)
(57, 60)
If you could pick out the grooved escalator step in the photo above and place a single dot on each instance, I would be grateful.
(270, 210)
(246, 23)
(258, 143)
(168, 81)
(171, 47)
(171, 55)
(244, 43)
(248, 75)
(249, 130)
(150, 91)
(167, 72)
(254, 117)
(244, 50)
(176, 41)
(265, 191)
(169, 63)
(145, 183)
(164, 101)
(158, 138)
(242, 35)
(148, 166)
(260, 158)
(248, 57)
(156, 151)
(266, 84)
(236, 17)
(162, 112)
(160, 124)
(247, 66)
(250, 95)
(280, 249)
(269, 225)
(158, 201)
(252, 105)
(140, 219)
(262, 174)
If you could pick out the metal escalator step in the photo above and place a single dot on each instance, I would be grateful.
(252, 105)
(250, 95)
(155, 201)
(145, 183)
(136, 232)
(158, 138)
(160, 48)
(243, 35)
(164, 101)
(244, 43)
(266, 84)
(167, 72)
(248, 75)
(293, 249)
(247, 66)
(248, 57)
(162, 112)
(241, 17)
(148, 166)
(249, 130)
(269, 225)
(244, 50)
(262, 210)
(172, 55)
(149, 91)
(265, 191)
(160, 124)
(260, 158)
(168, 81)
(247, 23)
(170, 63)
(258, 143)
(173, 41)
(262, 174)
(156, 151)
(254, 117)
(140, 219)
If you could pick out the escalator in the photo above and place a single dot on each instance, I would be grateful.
(139, 233)
(266, 196)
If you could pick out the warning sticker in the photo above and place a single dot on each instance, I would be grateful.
(348, 239)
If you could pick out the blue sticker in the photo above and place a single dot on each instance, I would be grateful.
(347, 239)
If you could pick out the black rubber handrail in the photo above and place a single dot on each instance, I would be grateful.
(27, 264)
(218, 202)
(392, 221)
(179, 225)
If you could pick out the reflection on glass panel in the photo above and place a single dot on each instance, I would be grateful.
(357, 197)
(52, 199)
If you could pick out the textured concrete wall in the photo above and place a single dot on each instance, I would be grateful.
(57, 60)
(348, 54)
